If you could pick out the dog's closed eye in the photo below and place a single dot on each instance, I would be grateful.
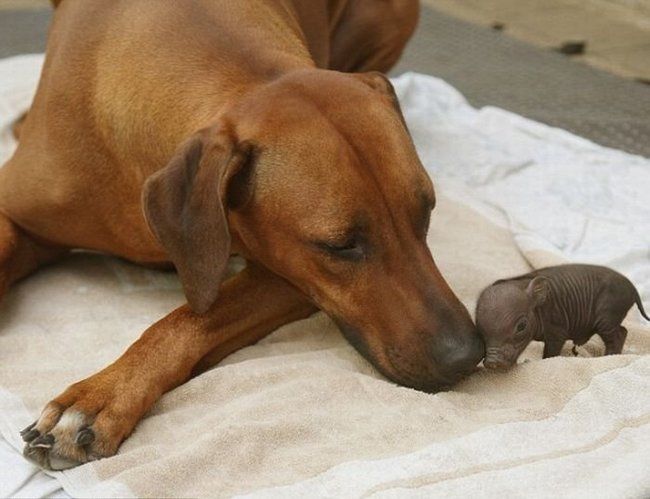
(347, 249)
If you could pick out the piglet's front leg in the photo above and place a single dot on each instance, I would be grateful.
(552, 348)
(91, 418)
(554, 339)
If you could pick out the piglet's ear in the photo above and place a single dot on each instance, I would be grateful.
(538, 290)
(185, 204)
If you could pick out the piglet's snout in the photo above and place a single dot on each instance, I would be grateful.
(495, 360)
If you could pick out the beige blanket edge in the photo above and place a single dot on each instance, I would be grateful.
(303, 412)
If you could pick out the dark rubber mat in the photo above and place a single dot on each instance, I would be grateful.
(23, 31)
(487, 66)
(490, 68)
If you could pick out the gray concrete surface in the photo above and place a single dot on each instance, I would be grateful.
(23, 31)
(489, 67)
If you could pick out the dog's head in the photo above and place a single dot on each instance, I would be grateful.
(315, 176)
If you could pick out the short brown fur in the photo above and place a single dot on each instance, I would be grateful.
(185, 131)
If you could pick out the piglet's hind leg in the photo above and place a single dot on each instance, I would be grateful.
(614, 340)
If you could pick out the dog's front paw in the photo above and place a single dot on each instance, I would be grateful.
(87, 422)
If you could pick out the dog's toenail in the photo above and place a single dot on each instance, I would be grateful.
(25, 431)
(38, 456)
(85, 437)
(44, 441)
(30, 435)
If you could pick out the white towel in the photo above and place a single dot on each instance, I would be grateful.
(300, 414)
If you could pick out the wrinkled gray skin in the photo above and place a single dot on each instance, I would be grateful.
(554, 304)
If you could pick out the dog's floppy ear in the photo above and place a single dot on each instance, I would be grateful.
(186, 208)
(381, 83)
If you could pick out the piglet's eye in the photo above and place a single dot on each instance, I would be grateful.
(521, 326)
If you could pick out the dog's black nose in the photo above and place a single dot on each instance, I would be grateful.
(457, 353)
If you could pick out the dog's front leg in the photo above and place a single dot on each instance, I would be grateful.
(92, 417)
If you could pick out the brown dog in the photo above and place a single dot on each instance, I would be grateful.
(186, 131)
